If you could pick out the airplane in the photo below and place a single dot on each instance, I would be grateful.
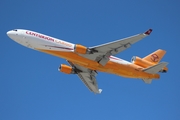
(86, 61)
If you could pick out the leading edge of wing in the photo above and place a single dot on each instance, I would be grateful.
(124, 41)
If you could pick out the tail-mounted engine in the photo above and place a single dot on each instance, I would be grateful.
(140, 62)
(144, 63)
(66, 69)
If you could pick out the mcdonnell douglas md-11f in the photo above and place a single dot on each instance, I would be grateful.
(86, 61)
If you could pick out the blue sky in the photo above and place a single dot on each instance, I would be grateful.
(31, 88)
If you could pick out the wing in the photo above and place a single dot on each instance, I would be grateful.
(87, 76)
(101, 53)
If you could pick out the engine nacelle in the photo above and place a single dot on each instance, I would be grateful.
(144, 63)
(80, 49)
(66, 69)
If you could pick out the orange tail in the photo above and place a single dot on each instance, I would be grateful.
(155, 57)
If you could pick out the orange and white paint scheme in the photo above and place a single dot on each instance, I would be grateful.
(87, 61)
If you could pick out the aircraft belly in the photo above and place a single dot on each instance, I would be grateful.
(124, 70)
(71, 56)
(129, 71)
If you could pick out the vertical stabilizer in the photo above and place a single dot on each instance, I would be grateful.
(155, 57)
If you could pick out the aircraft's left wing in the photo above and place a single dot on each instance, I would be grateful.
(101, 53)
(87, 76)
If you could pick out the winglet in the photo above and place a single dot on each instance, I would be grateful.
(100, 90)
(148, 32)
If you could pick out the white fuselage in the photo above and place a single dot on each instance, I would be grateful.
(35, 40)
(66, 50)
(87, 61)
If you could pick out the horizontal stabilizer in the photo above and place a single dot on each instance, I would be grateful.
(147, 81)
(156, 68)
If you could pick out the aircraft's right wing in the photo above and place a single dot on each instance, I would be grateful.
(120, 45)
(101, 53)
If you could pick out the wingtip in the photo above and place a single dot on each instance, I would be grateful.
(148, 32)
(100, 90)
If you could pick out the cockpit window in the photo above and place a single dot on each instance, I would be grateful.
(15, 30)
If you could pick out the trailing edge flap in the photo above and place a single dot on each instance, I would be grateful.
(156, 68)
(88, 77)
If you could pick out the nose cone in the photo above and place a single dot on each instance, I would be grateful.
(10, 34)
